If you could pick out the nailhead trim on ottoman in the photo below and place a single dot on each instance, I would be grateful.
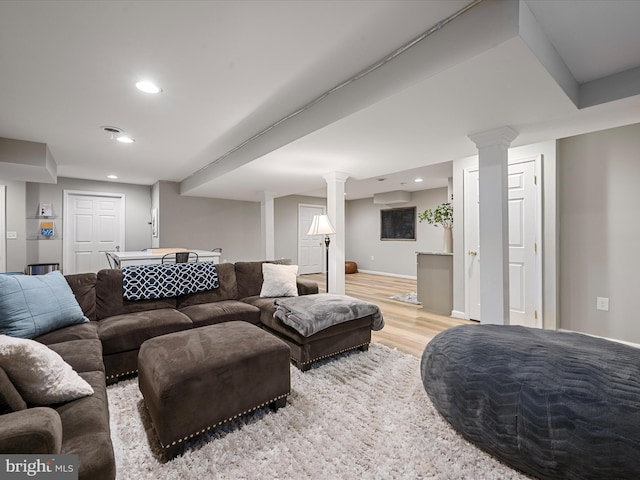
(195, 380)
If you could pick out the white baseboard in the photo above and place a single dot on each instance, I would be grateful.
(636, 345)
(387, 274)
(458, 314)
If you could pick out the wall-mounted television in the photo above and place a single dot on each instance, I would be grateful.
(398, 223)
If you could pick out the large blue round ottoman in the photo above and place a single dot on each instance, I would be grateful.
(551, 404)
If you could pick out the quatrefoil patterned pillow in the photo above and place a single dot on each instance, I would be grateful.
(148, 282)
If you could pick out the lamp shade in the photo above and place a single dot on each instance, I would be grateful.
(321, 226)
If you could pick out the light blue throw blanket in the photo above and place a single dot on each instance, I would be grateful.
(309, 314)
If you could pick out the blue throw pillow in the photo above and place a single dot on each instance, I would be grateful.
(32, 305)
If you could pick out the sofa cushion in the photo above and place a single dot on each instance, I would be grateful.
(110, 301)
(35, 430)
(83, 286)
(224, 311)
(279, 280)
(82, 355)
(40, 375)
(33, 305)
(85, 423)
(81, 331)
(249, 276)
(228, 289)
(10, 398)
(121, 333)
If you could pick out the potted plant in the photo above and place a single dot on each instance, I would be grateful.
(441, 215)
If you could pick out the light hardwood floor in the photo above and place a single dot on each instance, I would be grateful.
(407, 327)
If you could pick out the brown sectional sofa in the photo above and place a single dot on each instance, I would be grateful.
(106, 348)
(77, 427)
(124, 325)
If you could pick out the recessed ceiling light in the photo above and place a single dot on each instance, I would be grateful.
(112, 130)
(112, 177)
(116, 133)
(125, 139)
(418, 180)
(148, 87)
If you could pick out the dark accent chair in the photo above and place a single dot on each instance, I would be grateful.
(181, 257)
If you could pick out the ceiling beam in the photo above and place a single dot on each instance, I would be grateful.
(479, 29)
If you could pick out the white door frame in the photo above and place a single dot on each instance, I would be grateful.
(300, 233)
(66, 225)
(467, 247)
(537, 159)
(3, 228)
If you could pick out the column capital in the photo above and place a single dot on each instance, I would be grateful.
(336, 176)
(267, 196)
(502, 136)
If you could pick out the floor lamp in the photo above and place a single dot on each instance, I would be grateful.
(322, 226)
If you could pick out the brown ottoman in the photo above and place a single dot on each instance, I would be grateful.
(197, 379)
(350, 267)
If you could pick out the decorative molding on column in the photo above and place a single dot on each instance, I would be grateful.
(493, 146)
(336, 211)
(336, 177)
(502, 136)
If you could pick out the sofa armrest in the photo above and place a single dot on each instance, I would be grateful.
(306, 286)
(35, 430)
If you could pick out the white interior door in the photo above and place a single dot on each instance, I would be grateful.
(523, 293)
(310, 248)
(524, 225)
(93, 225)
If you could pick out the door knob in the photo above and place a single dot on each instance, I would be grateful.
(473, 253)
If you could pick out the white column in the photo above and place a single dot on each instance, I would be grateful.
(493, 149)
(267, 218)
(335, 211)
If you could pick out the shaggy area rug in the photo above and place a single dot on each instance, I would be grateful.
(361, 414)
(411, 297)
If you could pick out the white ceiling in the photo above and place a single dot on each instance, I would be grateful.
(229, 70)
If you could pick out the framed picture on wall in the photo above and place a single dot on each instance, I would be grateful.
(154, 222)
(398, 224)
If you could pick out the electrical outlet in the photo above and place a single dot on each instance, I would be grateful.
(372, 257)
(12, 235)
(602, 303)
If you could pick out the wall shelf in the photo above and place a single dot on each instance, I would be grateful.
(37, 236)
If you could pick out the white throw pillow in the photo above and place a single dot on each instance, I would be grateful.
(40, 375)
(279, 280)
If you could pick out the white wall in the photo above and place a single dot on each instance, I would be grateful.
(599, 205)
(395, 257)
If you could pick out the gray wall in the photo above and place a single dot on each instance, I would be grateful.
(22, 205)
(207, 223)
(286, 224)
(362, 235)
(599, 203)
(137, 211)
(16, 222)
